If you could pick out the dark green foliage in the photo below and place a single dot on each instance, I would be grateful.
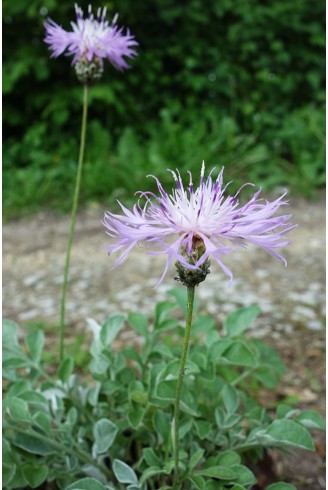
(239, 83)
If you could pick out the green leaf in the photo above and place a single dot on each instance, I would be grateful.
(86, 484)
(288, 432)
(136, 392)
(281, 486)
(239, 354)
(166, 390)
(267, 377)
(104, 432)
(185, 426)
(172, 369)
(34, 342)
(285, 411)
(10, 335)
(269, 357)
(163, 350)
(231, 420)
(35, 474)
(65, 369)
(99, 365)
(19, 388)
(219, 417)
(139, 323)
(8, 472)
(202, 324)
(161, 423)
(149, 472)
(110, 329)
(43, 421)
(203, 428)
(180, 296)
(244, 475)
(16, 363)
(239, 320)
(195, 458)
(200, 359)
(35, 400)
(17, 409)
(166, 325)
(33, 445)
(93, 394)
(230, 398)
(311, 420)
(124, 473)
(72, 415)
(151, 457)
(135, 415)
(198, 482)
(161, 311)
(211, 337)
(217, 349)
(219, 472)
(228, 458)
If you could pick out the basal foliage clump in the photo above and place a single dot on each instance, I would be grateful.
(109, 426)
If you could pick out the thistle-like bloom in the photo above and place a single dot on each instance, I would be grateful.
(192, 225)
(91, 38)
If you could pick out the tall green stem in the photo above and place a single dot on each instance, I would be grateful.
(190, 305)
(73, 220)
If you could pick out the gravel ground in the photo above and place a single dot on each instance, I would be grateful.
(292, 300)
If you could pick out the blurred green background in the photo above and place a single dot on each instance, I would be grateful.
(238, 83)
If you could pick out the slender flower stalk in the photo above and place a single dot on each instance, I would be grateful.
(73, 220)
(91, 41)
(190, 305)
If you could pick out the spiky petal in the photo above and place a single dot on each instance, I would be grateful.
(92, 37)
(169, 223)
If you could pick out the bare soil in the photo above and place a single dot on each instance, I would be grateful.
(292, 300)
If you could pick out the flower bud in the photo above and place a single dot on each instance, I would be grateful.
(89, 72)
(192, 278)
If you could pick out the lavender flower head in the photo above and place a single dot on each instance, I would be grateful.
(191, 225)
(91, 40)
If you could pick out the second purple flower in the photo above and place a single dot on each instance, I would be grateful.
(91, 40)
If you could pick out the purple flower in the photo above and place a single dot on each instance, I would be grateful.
(91, 38)
(171, 224)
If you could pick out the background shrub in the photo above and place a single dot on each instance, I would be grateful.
(235, 83)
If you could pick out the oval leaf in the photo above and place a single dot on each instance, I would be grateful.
(65, 369)
(104, 433)
(281, 486)
(86, 484)
(139, 323)
(240, 354)
(34, 342)
(35, 474)
(110, 329)
(219, 472)
(240, 320)
(123, 472)
(291, 433)
(311, 420)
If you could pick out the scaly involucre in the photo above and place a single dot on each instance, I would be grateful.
(91, 37)
(168, 223)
